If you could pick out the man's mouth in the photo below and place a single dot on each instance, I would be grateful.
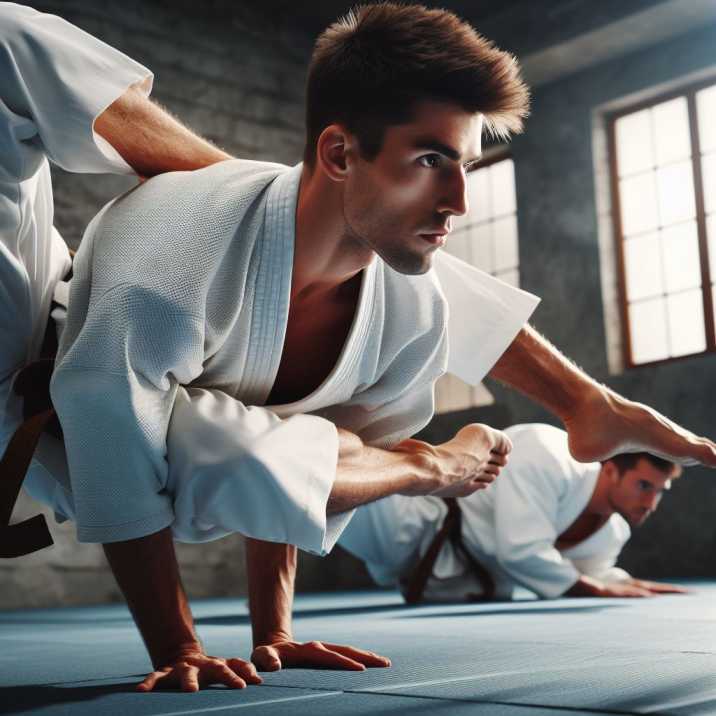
(437, 237)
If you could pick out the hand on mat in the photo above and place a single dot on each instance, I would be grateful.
(193, 671)
(467, 463)
(658, 587)
(607, 424)
(314, 654)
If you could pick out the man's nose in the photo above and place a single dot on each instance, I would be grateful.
(455, 200)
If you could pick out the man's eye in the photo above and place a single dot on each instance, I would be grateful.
(431, 161)
(644, 485)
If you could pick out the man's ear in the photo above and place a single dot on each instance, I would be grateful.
(335, 148)
(610, 471)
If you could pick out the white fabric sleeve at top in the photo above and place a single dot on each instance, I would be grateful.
(62, 79)
(485, 316)
(526, 503)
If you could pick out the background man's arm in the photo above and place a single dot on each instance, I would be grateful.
(150, 140)
(600, 422)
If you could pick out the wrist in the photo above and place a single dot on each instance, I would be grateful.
(170, 655)
(422, 474)
(272, 637)
(586, 587)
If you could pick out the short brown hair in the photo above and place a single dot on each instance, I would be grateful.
(628, 461)
(370, 68)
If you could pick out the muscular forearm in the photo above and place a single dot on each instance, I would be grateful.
(147, 572)
(536, 368)
(271, 569)
(150, 140)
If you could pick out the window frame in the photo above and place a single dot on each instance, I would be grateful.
(689, 92)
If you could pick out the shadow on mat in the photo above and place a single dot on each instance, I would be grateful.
(19, 699)
(486, 611)
(238, 619)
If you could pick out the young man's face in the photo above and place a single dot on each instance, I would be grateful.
(400, 204)
(637, 492)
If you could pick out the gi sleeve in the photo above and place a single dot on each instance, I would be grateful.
(526, 503)
(239, 468)
(113, 391)
(485, 316)
(55, 80)
(602, 564)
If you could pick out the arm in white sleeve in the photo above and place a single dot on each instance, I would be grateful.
(55, 80)
(113, 391)
(525, 521)
(239, 468)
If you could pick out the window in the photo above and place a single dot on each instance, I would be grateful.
(664, 197)
(486, 237)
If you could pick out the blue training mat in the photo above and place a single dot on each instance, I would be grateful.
(524, 658)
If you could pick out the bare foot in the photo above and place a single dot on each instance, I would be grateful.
(608, 424)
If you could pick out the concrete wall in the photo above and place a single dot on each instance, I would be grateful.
(560, 261)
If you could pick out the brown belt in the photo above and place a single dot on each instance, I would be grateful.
(33, 384)
(451, 529)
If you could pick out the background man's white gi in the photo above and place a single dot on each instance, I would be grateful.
(169, 291)
(510, 527)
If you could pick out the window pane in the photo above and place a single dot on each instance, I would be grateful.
(502, 177)
(634, 143)
(676, 193)
(478, 195)
(711, 234)
(682, 265)
(639, 207)
(686, 323)
(706, 109)
(647, 324)
(504, 234)
(708, 169)
(458, 244)
(642, 260)
(482, 253)
(671, 130)
(512, 277)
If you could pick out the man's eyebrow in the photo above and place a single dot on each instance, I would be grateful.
(435, 146)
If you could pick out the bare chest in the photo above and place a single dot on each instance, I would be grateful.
(315, 336)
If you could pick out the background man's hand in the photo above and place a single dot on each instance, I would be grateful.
(193, 670)
(467, 463)
(314, 654)
(590, 587)
(658, 587)
(607, 424)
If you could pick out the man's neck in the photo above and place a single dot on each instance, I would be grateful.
(599, 504)
(325, 257)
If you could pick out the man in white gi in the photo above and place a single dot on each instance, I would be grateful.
(551, 524)
(259, 285)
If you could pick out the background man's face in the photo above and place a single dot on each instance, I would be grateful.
(400, 204)
(637, 492)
